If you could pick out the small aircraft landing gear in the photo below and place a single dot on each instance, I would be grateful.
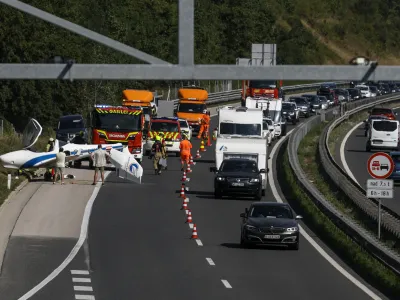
(47, 176)
(77, 164)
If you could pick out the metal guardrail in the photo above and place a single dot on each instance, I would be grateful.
(347, 225)
(227, 96)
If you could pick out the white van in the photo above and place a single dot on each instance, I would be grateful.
(365, 91)
(383, 135)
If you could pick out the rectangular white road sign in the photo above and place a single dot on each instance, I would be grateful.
(381, 184)
(379, 193)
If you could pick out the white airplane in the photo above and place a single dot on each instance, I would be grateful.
(27, 159)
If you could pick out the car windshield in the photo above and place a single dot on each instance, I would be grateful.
(271, 211)
(310, 97)
(353, 92)
(183, 124)
(240, 129)
(385, 126)
(381, 111)
(323, 100)
(164, 126)
(274, 115)
(70, 124)
(191, 108)
(117, 121)
(363, 88)
(287, 107)
(239, 166)
(262, 84)
(301, 101)
(315, 101)
(373, 88)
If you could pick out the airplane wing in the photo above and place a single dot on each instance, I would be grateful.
(126, 165)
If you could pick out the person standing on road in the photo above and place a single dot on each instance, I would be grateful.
(185, 147)
(60, 165)
(99, 158)
(158, 152)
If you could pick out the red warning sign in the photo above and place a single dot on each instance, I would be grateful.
(380, 165)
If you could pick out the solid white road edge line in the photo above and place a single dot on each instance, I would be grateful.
(210, 261)
(226, 283)
(343, 156)
(77, 247)
(309, 238)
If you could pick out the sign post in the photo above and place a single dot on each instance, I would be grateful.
(380, 166)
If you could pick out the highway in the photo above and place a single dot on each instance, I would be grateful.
(356, 158)
(140, 246)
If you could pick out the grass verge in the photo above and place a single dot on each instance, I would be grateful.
(11, 141)
(348, 250)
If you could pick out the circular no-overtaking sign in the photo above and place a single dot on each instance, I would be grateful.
(380, 165)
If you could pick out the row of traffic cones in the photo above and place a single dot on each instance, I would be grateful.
(185, 207)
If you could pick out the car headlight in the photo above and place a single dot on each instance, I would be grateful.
(254, 180)
(292, 113)
(292, 229)
(102, 135)
(220, 178)
(249, 227)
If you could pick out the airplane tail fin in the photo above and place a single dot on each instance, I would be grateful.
(127, 166)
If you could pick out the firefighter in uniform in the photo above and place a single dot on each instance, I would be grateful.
(204, 124)
(158, 152)
(161, 134)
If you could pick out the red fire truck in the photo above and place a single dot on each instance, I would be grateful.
(261, 88)
(119, 124)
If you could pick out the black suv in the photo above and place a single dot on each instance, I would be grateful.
(238, 177)
(303, 105)
(289, 112)
(270, 223)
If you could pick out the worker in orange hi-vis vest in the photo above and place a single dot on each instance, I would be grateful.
(185, 147)
(204, 123)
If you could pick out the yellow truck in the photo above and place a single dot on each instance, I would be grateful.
(192, 105)
(142, 98)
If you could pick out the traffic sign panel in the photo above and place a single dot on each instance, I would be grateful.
(380, 165)
(376, 193)
(381, 184)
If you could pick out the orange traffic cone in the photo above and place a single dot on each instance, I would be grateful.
(189, 217)
(183, 191)
(194, 232)
(188, 169)
(202, 148)
(208, 141)
(185, 204)
(198, 154)
(184, 178)
(215, 133)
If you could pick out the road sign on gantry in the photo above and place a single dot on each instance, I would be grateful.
(380, 165)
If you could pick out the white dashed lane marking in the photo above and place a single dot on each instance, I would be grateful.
(199, 243)
(75, 279)
(84, 297)
(83, 288)
(79, 272)
(226, 283)
(210, 261)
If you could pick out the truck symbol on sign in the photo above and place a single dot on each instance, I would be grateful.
(377, 166)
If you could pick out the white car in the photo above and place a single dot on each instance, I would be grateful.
(324, 102)
(268, 130)
(365, 91)
(185, 128)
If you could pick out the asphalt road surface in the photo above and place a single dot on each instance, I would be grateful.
(140, 246)
(357, 158)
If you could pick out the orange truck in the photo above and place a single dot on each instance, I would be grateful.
(191, 105)
(260, 88)
(142, 98)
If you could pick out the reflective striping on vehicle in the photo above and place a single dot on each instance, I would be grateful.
(167, 135)
(119, 111)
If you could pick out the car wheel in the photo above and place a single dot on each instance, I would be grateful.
(243, 243)
(294, 246)
(306, 115)
(294, 122)
(365, 133)
(147, 153)
(177, 154)
(217, 194)
(368, 148)
(263, 193)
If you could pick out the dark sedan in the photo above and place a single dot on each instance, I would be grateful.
(270, 223)
(238, 177)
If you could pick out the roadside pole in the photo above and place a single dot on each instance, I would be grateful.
(380, 166)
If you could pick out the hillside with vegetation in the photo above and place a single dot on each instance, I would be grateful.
(313, 32)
